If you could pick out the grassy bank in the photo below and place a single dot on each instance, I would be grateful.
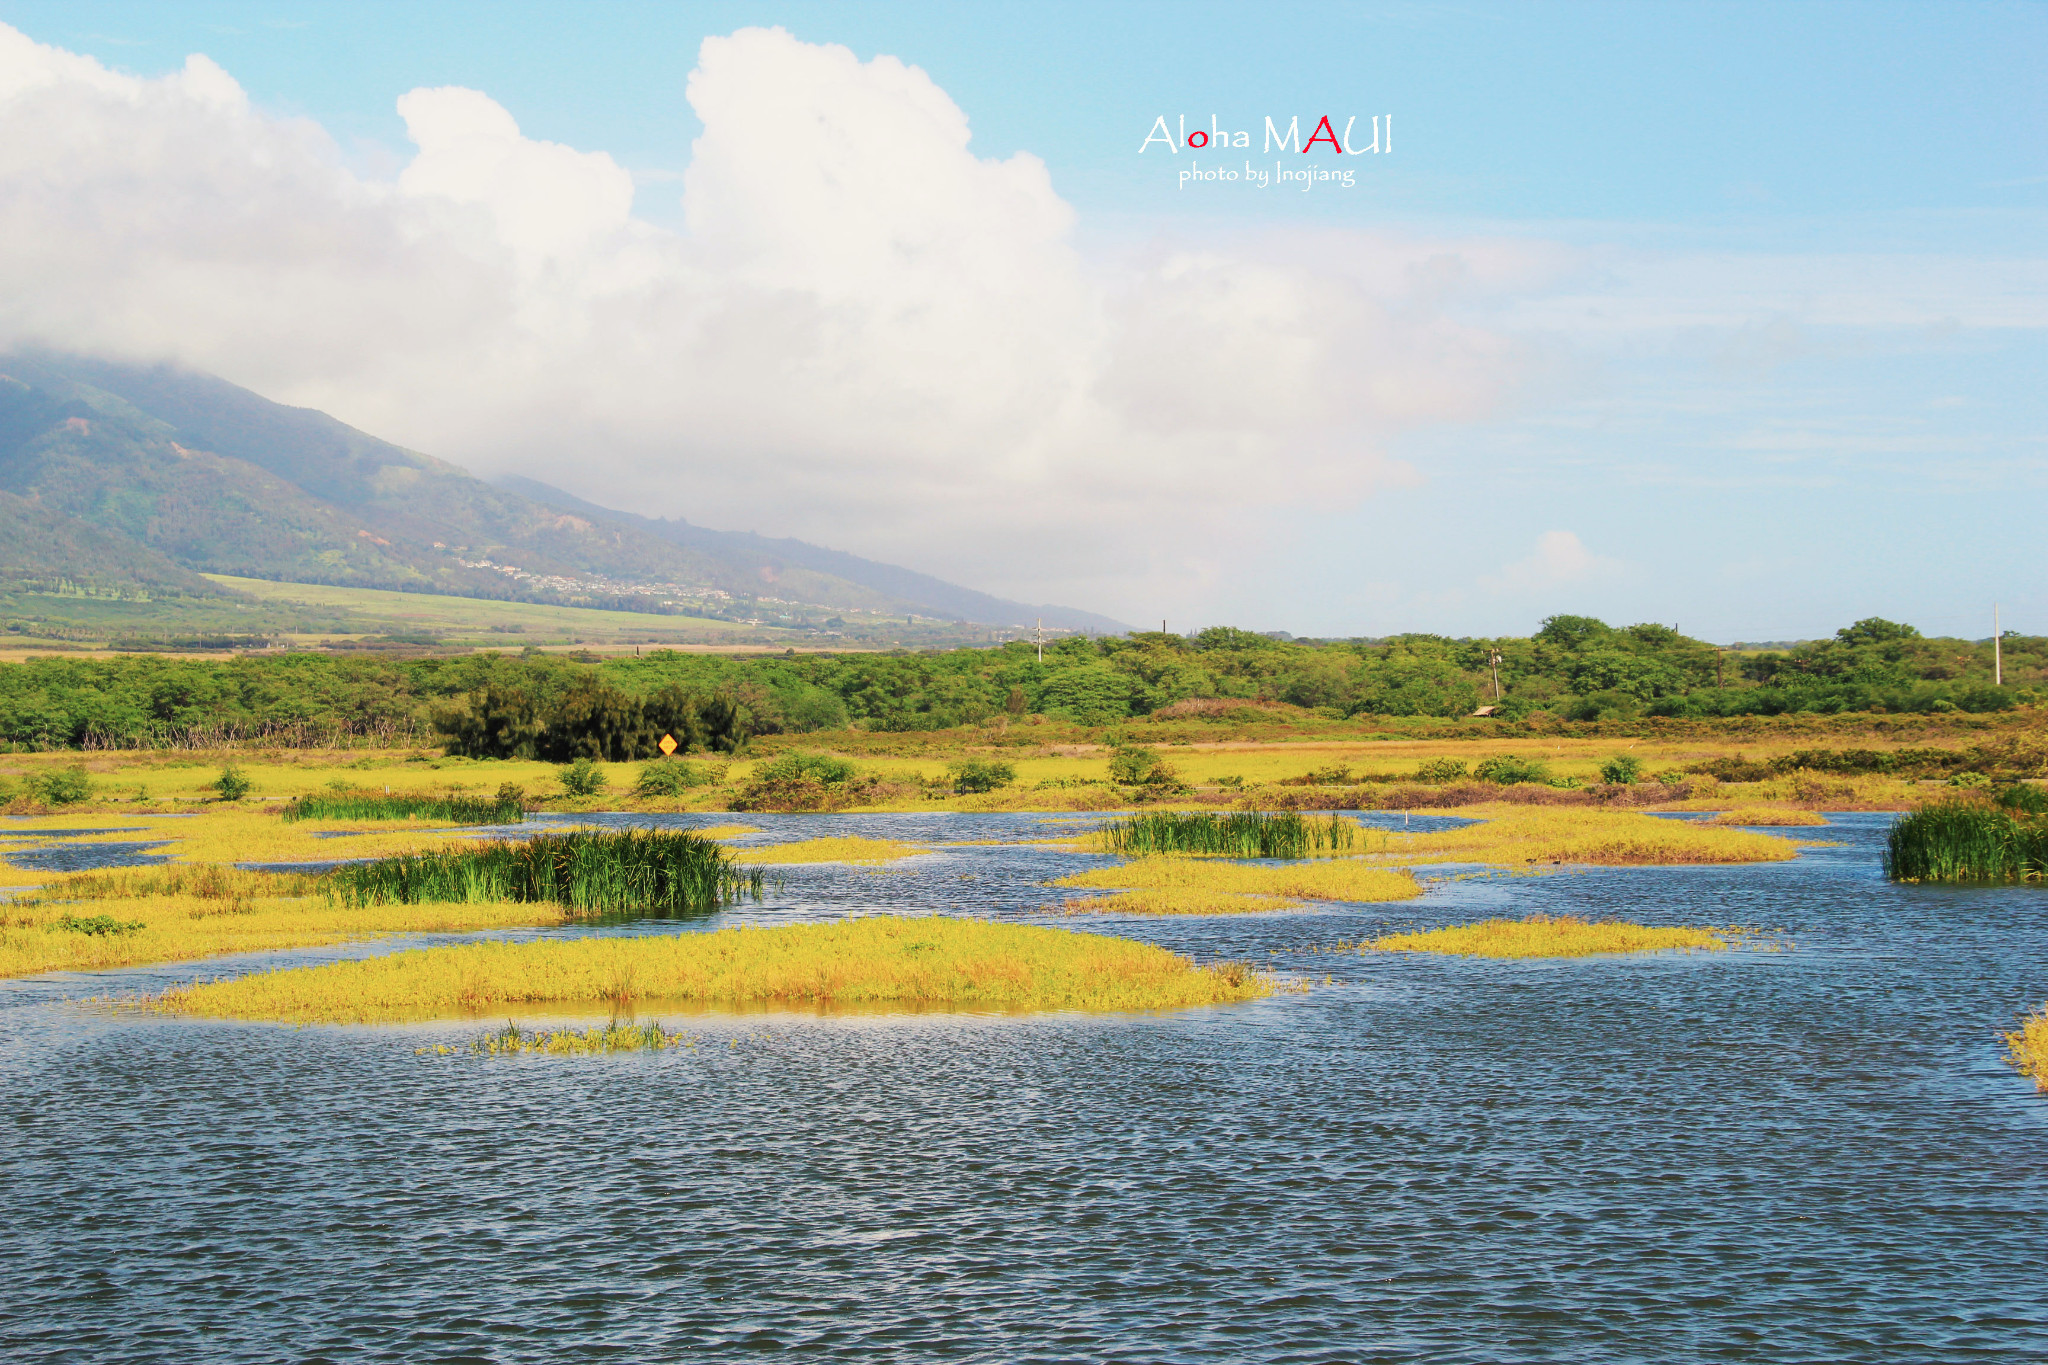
(925, 963)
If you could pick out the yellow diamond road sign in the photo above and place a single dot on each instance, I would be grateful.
(668, 744)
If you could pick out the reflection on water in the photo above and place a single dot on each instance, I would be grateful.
(86, 857)
(1814, 1155)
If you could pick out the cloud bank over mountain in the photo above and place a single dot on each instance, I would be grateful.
(865, 335)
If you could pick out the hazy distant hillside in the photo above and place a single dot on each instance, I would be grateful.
(126, 475)
(935, 596)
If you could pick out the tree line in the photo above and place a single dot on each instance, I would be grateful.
(563, 706)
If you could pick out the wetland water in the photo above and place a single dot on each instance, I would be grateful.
(1814, 1155)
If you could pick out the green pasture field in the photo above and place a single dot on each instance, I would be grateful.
(471, 620)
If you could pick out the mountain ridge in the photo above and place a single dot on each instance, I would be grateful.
(144, 476)
(966, 604)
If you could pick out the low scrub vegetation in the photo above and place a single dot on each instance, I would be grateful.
(874, 962)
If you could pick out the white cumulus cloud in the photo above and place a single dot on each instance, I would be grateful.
(1560, 559)
(865, 334)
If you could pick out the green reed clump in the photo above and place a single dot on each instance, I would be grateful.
(612, 1037)
(1966, 841)
(461, 810)
(664, 871)
(99, 924)
(1236, 834)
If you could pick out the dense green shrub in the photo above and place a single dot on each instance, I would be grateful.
(1508, 769)
(1135, 765)
(669, 777)
(802, 765)
(231, 784)
(1441, 770)
(584, 778)
(802, 780)
(980, 775)
(1621, 769)
(63, 786)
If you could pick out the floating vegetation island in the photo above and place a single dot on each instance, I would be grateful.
(1522, 835)
(875, 962)
(1206, 886)
(1767, 816)
(1547, 936)
(2027, 1047)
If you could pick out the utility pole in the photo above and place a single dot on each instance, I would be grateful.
(1496, 677)
(1038, 638)
(1997, 651)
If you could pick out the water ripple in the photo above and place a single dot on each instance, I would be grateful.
(1813, 1155)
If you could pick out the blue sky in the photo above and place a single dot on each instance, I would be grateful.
(1774, 273)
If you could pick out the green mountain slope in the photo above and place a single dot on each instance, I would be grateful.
(175, 472)
(778, 561)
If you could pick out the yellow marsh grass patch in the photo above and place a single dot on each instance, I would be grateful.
(912, 962)
(1181, 877)
(181, 928)
(2027, 1047)
(840, 850)
(1175, 903)
(1510, 835)
(249, 835)
(1767, 815)
(206, 881)
(1542, 936)
(725, 831)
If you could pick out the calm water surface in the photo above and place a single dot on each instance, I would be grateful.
(1814, 1155)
